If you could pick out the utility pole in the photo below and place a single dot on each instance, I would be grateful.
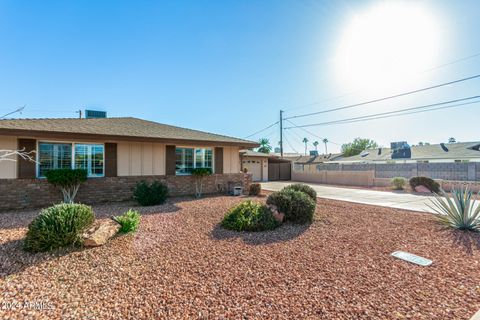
(281, 133)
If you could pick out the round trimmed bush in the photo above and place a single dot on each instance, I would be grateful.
(427, 182)
(399, 183)
(297, 206)
(254, 189)
(249, 216)
(150, 194)
(303, 188)
(58, 226)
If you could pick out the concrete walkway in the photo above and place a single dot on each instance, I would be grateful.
(398, 200)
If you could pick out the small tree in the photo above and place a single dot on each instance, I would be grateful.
(315, 144)
(357, 146)
(199, 174)
(452, 140)
(68, 180)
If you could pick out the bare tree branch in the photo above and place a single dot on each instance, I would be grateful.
(11, 155)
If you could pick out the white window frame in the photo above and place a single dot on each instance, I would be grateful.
(37, 157)
(194, 158)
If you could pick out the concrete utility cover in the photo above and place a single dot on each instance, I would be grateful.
(421, 261)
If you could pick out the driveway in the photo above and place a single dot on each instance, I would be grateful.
(398, 200)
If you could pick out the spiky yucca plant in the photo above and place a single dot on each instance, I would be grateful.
(459, 213)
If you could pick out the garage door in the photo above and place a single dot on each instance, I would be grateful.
(255, 168)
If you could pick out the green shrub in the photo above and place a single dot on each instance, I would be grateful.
(297, 206)
(128, 221)
(459, 213)
(249, 216)
(427, 182)
(58, 226)
(303, 188)
(399, 183)
(68, 180)
(150, 194)
(255, 189)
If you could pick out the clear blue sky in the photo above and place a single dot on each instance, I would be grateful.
(230, 66)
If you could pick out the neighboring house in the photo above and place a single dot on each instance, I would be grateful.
(117, 153)
(255, 163)
(443, 152)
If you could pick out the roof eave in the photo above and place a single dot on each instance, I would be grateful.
(101, 137)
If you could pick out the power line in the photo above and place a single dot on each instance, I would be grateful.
(413, 112)
(288, 142)
(394, 113)
(260, 131)
(352, 92)
(385, 98)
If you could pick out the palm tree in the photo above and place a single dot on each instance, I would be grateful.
(325, 141)
(265, 146)
(315, 144)
(305, 140)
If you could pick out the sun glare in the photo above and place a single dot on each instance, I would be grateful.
(387, 46)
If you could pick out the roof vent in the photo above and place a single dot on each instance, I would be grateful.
(444, 147)
(364, 154)
(89, 114)
(379, 151)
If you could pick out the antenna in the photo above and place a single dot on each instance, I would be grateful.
(79, 113)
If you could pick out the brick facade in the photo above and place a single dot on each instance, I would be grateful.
(35, 193)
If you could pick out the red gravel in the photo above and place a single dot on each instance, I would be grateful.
(180, 264)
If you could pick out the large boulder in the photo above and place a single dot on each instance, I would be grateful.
(99, 234)
(422, 189)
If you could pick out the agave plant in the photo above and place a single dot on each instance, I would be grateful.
(458, 212)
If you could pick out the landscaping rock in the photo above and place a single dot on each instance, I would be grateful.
(277, 215)
(422, 189)
(99, 234)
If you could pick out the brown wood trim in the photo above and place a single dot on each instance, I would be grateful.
(218, 154)
(170, 160)
(110, 159)
(26, 169)
(39, 135)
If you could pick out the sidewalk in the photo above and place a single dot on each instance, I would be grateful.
(392, 199)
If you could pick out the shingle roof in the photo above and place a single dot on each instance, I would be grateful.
(460, 150)
(117, 127)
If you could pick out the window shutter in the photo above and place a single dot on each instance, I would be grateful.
(26, 168)
(219, 160)
(170, 160)
(110, 159)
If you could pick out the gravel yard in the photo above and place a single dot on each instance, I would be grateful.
(180, 264)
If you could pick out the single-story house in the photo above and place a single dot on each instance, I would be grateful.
(117, 153)
(443, 152)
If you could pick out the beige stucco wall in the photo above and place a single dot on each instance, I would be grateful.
(140, 159)
(133, 158)
(231, 160)
(8, 168)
